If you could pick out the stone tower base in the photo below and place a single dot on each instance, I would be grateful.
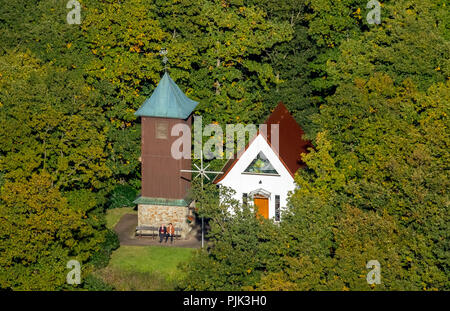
(155, 215)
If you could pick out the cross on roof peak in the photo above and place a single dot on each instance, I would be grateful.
(163, 52)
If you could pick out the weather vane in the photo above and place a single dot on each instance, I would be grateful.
(163, 52)
(202, 172)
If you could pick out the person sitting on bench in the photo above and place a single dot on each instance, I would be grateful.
(162, 233)
(170, 232)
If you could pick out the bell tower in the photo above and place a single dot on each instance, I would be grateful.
(163, 189)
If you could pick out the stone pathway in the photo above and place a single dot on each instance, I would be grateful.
(126, 227)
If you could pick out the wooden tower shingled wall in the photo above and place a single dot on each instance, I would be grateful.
(161, 177)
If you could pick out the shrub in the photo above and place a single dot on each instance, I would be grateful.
(101, 258)
(122, 196)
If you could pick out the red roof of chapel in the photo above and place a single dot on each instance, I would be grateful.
(291, 143)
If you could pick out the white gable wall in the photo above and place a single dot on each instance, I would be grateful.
(246, 183)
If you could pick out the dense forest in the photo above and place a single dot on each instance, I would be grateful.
(373, 98)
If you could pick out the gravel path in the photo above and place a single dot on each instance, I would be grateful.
(126, 227)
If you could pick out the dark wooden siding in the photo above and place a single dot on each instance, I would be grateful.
(161, 176)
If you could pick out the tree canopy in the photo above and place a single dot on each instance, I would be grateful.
(373, 99)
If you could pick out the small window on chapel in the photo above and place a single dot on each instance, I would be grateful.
(277, 208)
(162, 129)
(244, 199)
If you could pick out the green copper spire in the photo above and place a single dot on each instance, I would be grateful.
(167, 101)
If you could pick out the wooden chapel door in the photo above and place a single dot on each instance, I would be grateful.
(262, 204)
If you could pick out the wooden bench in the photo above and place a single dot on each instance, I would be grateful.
(177, 233)
(154, 231)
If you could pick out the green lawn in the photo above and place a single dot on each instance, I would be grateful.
(145, 267)
(150, 259)
(142, 267)
(113, 215)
